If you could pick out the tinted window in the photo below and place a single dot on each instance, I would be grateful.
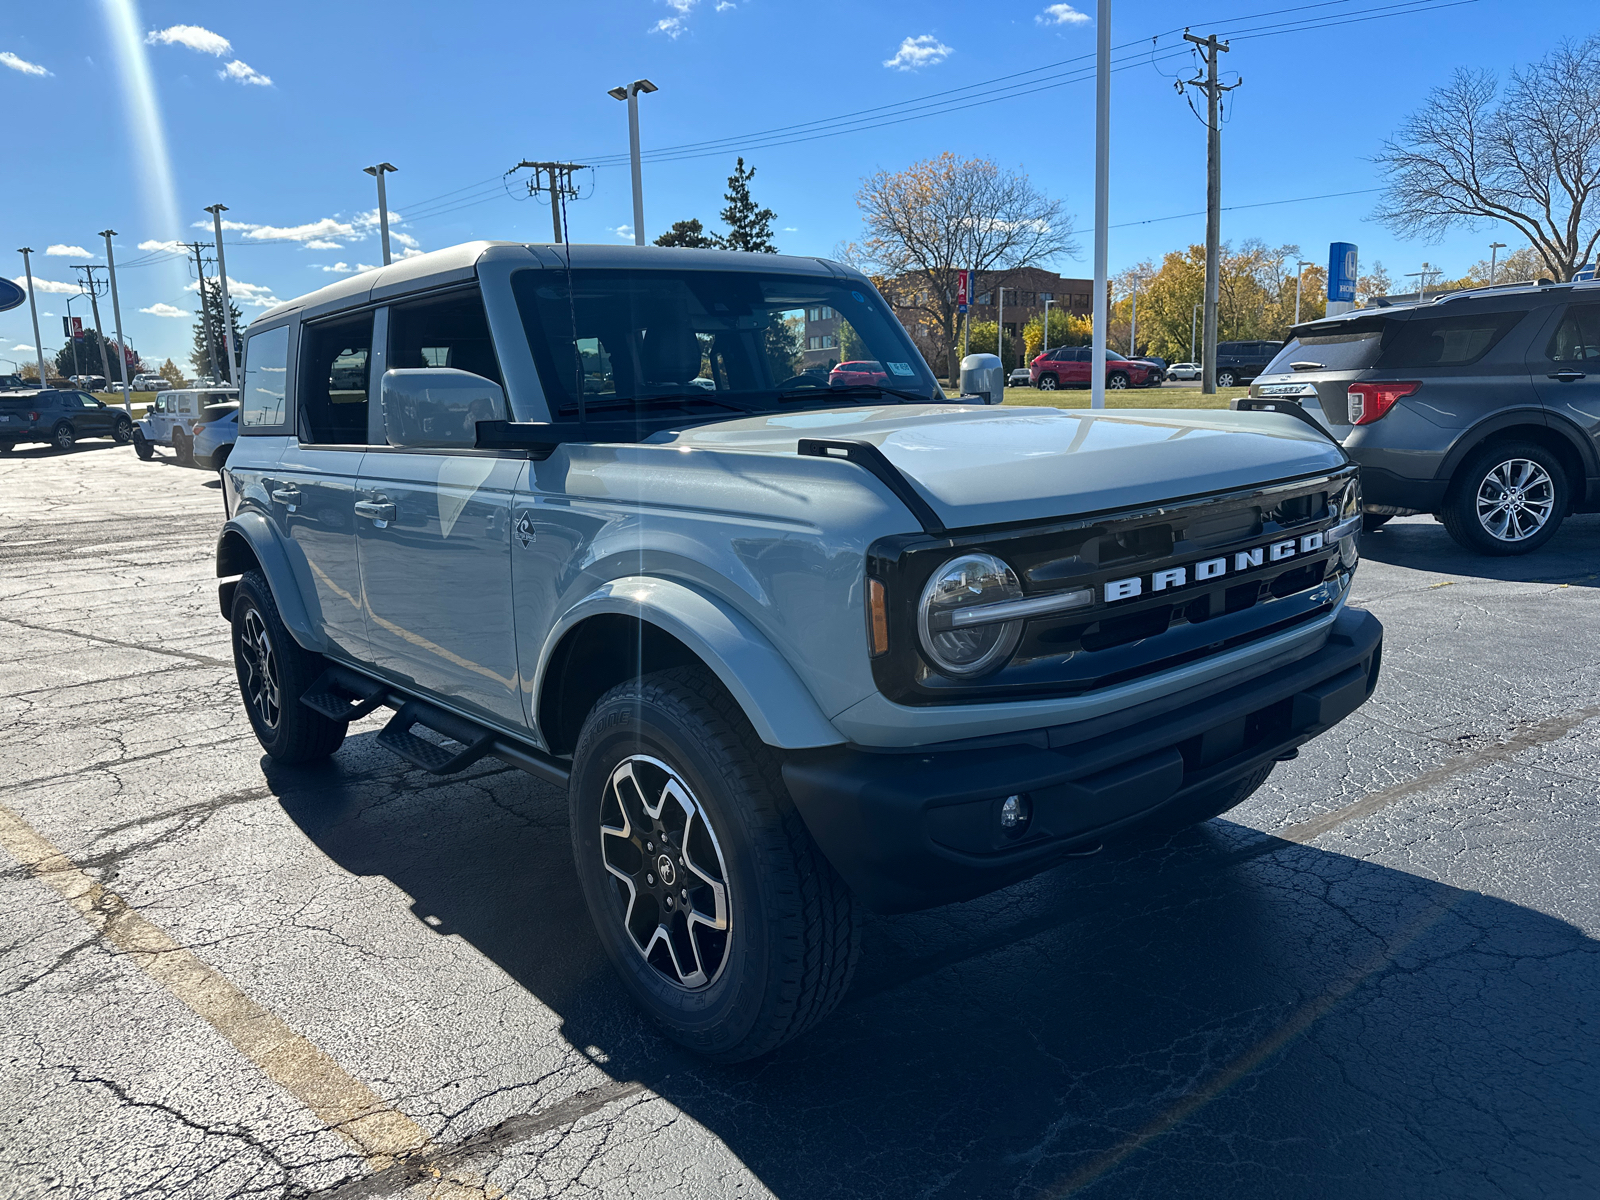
(218, 412)
(1577, 338)
(335, 363)
(1338, 352)
(266, 374)
(1455, 340)
(449, 331)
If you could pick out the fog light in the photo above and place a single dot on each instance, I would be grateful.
(1015, 812)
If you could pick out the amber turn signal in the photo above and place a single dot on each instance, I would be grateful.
(877, 618)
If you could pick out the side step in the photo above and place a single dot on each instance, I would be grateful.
(342, 695)
(396, 736)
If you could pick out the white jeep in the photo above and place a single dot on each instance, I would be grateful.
(169, 421)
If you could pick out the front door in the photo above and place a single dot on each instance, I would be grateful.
(90, 418)
(1566, 371)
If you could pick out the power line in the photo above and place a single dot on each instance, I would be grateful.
(1257, 204)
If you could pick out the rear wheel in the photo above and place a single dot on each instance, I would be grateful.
(725, 922)
(1047, 383)
(274, 672)
(183, 448)
(1226, 379)
(123, 433)
(1507, 499)
(63, 437)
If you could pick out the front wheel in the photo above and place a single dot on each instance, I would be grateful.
(725, 922)
(1116, 380)
(1226, 379)
(274, 672)
(1507, 499)
(1047, 383)
(141, 447)
(63, 437)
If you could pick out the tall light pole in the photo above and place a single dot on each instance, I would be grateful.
(630, 93)
(1494, 249)
(1102, 199)
(1048, 300)
(1000, 326)
(377, 172)
(1194, 317)
(216, 211)
(33, 307)
(1299, 277)
(116, 315)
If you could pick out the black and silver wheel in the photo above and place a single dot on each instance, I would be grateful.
(123, 433)
(63, 437)
(1117, 380)
(1047, 383)
(1226, 379)
(1507, 499)
(274, 672)
(726, 924)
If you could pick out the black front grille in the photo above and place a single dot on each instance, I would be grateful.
(1113, 642)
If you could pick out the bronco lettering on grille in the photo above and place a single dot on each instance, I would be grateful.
(1213, 568)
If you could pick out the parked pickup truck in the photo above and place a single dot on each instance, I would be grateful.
(169, 421)
(793, 650)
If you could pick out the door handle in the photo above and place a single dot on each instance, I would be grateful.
(379, 512)
(287, 496)
(1567, 376)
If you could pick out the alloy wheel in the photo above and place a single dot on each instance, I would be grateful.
(1047, 383)
(65, 438)
(1515, 500)
(671, 879)
(1117, 382)
(260, 670)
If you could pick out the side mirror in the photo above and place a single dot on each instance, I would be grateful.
(438, 407)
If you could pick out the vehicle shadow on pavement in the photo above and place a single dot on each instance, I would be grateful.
(42, 450)
(1229, 1015)
(1572, 556)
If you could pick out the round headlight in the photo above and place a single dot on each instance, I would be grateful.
(961, 649)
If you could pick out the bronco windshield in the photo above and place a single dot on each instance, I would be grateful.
(709, 344)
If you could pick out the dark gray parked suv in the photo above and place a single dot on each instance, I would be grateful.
(1481, 407)
(59, 417)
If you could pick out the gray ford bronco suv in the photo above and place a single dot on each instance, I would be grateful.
(793, 650)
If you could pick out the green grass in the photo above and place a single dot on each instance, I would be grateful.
(1167, 397)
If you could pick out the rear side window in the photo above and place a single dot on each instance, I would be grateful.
(335, 365)
(266, 375)
(1577, 338)
(1456, 340)
(1339, 352)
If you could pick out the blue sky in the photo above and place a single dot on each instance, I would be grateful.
(274, 109)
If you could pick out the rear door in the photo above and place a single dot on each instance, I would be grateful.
(1566, 370)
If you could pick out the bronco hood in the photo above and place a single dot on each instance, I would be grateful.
(992, 466)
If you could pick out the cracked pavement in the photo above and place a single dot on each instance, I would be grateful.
(1378, 977)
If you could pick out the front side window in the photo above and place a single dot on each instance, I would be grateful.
(1448, 341)
(266, 374)
(335, 363)
(443, 331)
(1577, 338)
(617, 343)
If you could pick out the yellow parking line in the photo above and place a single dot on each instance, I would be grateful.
(382, 1133)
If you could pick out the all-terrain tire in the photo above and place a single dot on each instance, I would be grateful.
(793, 927)
(141, 447)
(274, 672)
(183, 448)
(1198, 809)
(1463, 516)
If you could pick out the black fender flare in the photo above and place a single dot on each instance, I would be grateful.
(248, 542)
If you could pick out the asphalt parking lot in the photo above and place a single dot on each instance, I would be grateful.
(1377, 978)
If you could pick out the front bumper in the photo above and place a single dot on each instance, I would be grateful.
(914, 829)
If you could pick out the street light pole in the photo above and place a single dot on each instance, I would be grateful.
(216, 211)
(1299, 277)
(1048, 300)
(33, 307)
(630, 93)
(77, 365)
(116, 315)
(377, 172)
(1494, 249)
(1102, 199)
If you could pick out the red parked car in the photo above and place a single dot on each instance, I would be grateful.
(1069, 367)
(849, 374)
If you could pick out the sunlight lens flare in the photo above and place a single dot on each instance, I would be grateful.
(144, 113)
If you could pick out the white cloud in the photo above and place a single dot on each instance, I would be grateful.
(338, 268)
(625, 232)
(725, 5)
(914, 52)
(1062, 14)
(59, 289)
(60, 251)
(8, 59)
(366, 266)
(676, 24)
(244, 73)
(227, 225)
(312, 231)
(165, 310)
(251, 295)
(172, 247)
(791, 229)
(410, 252)
(193, 36)
(405, 239)
(324, 244)
(24, 350)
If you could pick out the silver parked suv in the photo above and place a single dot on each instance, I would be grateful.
(792, 648)
(1482, 407)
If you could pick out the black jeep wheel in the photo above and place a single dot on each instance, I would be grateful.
(123, 433)
(727, 925)
(183, 448)
(63, 437)
(274, 672)
(1507, 499)
(1197, 809)
(141, 447)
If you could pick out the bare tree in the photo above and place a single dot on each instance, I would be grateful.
(1528, 157)
(944, 214)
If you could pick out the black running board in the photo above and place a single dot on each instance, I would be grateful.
(343, 694)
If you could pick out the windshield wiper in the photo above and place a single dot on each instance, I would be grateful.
(858, 389)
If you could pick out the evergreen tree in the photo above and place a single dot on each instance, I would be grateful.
(690, 235)
(749, 227)
(88, 356)
(211, 301)
(170, 372)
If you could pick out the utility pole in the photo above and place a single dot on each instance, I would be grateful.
(1213, 90)
(1133, 325)
(1000, 326)
(94, 304)
(33, 307)
(1300, 266)
(377, 172)
(205, 315)
(966, 320)
(630, 93)
(1494, 249)
(216, 211)
(560, 186)
(116, 315)
(1102, 200)
(1194, 317)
